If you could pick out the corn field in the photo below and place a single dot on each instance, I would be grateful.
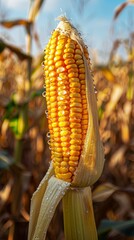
(25, 145)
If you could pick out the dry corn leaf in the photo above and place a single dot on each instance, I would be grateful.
(115, 97)
(115, 47)
(4, 193)
(125, 132)
(16, 50)
(121, 7)
(14, 23)
(104, 191)
(118, 156)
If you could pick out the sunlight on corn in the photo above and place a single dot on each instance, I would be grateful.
(76, 149)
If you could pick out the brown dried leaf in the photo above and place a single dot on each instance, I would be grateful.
(115, 47)
(103, 191)
(14, 23)
(121, 7)
(4, 193)
(115, 97)
(125, 135)
(118, 156)
(17, 51)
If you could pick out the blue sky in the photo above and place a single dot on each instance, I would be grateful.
(93, 19)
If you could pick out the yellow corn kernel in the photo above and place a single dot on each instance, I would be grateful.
(78, 51)
(69, 61)
(79, 62)
(64, 164)
(73, 163)
(77, 56)
(74, 147)
(73, 158)
(65, 132)
(72, 169)
(59, 63)
(68, 55)
(65, 175)
(69, 50)
(63, 170)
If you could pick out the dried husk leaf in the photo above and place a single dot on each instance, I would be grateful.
(37, 200)
(54, 192)
(92, 158)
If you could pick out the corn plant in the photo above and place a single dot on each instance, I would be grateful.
(76, 149)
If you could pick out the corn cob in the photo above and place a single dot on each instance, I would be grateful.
(66, 102)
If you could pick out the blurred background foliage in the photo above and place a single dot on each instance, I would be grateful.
(24, 151)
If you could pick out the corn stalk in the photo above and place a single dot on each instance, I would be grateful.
(22, 123)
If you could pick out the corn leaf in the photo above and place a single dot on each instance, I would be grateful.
(21, 55)
(14, 23)
(124, 227)
(103, 192)
(121, 7)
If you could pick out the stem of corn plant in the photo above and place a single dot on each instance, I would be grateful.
(18, 150)
(78, 215)
(28, 51)
(23, 125)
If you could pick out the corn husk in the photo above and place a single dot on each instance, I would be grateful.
(43, 205)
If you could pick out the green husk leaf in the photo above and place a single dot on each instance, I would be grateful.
(78, 214)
